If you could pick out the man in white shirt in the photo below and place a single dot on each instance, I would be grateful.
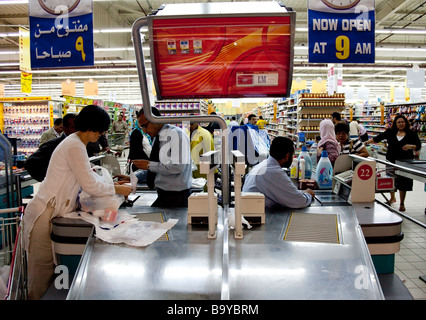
(353, 129)
(169, 164)
(233, 122)
(270, 179)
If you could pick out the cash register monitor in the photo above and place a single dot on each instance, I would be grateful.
(343, 163)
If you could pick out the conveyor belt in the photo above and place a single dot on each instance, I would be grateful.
(308, 227)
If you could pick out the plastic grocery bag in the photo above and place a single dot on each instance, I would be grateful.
(105, 207)
(231, 221)
(133, 180)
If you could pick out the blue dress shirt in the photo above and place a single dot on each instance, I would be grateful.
(270, 179)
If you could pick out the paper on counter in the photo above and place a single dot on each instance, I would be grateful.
(127, 229)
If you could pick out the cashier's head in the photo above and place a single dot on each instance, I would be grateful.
(152, 129)
(282, 150)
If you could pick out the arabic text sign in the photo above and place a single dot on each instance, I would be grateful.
(62, 40)
(341, 34)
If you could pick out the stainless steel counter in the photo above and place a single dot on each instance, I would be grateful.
(261, 266)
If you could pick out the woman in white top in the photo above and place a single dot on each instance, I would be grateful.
(69, 171)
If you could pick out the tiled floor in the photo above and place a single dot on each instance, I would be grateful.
(410, 261)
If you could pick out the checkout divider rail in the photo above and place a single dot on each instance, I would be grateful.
(402, 168)
(137, 42)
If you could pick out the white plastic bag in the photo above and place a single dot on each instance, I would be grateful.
(231, 221)
(133, 180)
(105, 207)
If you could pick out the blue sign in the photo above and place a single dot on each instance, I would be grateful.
(341, 35)
(59, 39)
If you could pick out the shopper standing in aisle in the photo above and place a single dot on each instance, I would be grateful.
(252, 120)
(328, 141)
(269, 178)
(349, 146)
(169, 166)
(233, 122)
(119, 127)
(69, 172)
(363, 134)
(353, 129)
(402, 142)
(336, 118)
(53, 132)
(213, 125)
(261, 123)
(201, 142)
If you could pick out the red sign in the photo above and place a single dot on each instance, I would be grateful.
(385, 184)
(222, 57)
(365, 172)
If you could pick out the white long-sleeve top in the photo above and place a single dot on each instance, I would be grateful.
(69, 170)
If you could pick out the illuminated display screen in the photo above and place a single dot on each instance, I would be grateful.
(222, 57)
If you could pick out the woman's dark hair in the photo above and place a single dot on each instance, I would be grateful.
(280, 146)
(407, 123)
(92, 118)
(341, 127)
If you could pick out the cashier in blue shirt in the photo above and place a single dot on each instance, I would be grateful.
(270, 179)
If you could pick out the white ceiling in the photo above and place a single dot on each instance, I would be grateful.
(115, 66)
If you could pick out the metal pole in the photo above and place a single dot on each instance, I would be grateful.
(137, 43)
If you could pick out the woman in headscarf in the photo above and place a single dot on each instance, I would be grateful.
(328, 141)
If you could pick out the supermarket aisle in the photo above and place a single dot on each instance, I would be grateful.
(410, 261)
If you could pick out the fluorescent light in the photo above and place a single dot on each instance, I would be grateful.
(9, 34)
(9, 52)
(14, 2)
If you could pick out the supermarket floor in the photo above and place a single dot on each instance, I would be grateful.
(410, 261)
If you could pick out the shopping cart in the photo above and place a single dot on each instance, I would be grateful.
(117, 139)
(12, 253)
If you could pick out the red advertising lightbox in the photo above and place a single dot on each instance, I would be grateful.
(217, 50)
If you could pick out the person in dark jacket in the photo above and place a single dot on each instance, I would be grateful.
(402, 142)
(37, 163)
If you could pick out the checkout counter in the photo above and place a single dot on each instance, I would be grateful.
(319, 252)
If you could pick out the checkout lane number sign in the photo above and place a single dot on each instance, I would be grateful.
(341, 31)
(365, 172)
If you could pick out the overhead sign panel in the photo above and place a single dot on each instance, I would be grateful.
(61, 33)
(341, 31)
(222, 54)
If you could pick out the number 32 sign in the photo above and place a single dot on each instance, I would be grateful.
(342, 32)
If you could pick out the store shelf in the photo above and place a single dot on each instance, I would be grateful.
(306, 115)
(27, 119)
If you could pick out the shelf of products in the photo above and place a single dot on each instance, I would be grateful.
(369, 116)
(170, 108)
(415, 112)
(174, 108)
(27, 119)
(304, 114)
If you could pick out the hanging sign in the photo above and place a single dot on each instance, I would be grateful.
(61, 34)
(24, 50)
(26, 82)
(341, 31)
